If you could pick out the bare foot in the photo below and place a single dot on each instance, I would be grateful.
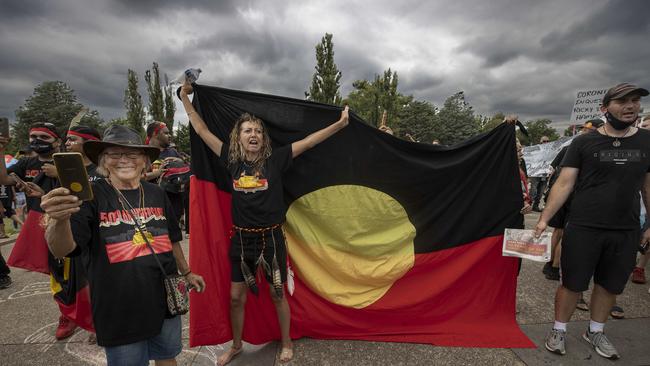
(228, 356)
(286, 355)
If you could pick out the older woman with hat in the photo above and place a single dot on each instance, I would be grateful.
(126, 284)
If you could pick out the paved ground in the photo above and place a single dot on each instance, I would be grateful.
(27, 324)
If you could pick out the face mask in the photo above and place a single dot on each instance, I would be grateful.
(616, 123)
(41, 147)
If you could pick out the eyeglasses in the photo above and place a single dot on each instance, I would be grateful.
(118, 155)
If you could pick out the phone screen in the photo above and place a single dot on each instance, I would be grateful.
(72, 174)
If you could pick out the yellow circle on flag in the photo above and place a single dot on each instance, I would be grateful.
(349, 243)
(76, 187)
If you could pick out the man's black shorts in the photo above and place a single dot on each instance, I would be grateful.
(607, 255)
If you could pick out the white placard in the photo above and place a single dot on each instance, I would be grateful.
(587, 105)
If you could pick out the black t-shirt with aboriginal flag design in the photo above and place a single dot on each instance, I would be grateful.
(257, 197)
(606, 194)
(126, 284)
(28, 169)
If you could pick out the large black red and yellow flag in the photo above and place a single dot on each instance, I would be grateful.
(389, 240)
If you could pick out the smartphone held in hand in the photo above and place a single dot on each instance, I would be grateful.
(72, 174)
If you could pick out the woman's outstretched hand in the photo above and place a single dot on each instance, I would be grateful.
(186, 89)
(345, 118)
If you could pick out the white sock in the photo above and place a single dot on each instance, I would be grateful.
(559, 326)
(596, 326)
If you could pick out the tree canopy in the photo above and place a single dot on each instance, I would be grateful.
(53, 102)
(536, 129)
(325, 83)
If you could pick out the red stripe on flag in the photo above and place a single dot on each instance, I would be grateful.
(79, 311)
(126, 251)
(30, 251)
(462, 296)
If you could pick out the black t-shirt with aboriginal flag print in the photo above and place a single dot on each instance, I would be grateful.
(257, 197)
(606, 194)
(126, 284)
(27, 169)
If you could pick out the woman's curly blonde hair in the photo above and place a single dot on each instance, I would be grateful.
(236, 154)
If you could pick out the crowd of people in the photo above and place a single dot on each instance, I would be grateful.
(100, 244)
(126, 240)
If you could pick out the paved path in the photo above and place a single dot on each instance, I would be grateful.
(28, 319)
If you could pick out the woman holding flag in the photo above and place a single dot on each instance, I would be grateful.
(258, 211)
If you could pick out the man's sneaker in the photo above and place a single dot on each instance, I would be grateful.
(555, 341)
(5, 282)
(553, 274)
(638, 275)
(601, 344)
(65, 329)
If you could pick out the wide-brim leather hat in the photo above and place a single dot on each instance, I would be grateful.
(118, 136)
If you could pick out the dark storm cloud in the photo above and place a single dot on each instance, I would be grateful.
(148, 8)
(22, 9)
(617, 21)
(527, 57)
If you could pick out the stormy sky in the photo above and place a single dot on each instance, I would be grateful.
(514, 56)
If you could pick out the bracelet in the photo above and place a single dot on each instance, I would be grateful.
(186, 273)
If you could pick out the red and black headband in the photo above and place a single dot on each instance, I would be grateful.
(84, 136)
(159, 126)
(44, 130)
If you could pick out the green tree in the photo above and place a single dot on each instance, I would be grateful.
(133, 103)
(488, 124)
(417, 119)
(54, 102)
(536, 129)
(456, 120)
(325, 83)
(156, 104)
(371, 99)
(571, 130)
(170, 106)
(119, 121)
(182, 138)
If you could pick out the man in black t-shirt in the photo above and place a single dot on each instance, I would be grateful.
(68, 276)
(158, 135)
(605, 171)
(558, 221)
(45, 140)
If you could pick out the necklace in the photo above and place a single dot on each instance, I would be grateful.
(616, 142)
(141, 236)
(122, 199)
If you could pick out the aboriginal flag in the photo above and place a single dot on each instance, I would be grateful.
(70, 289)
(389, 240)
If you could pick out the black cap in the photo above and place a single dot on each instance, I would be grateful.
(621, 90)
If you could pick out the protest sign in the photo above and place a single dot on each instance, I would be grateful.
(587, 105)
(538, 158)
